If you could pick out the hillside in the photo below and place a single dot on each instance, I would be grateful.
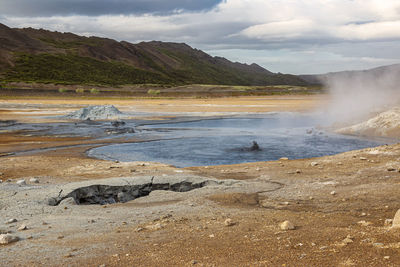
(32, 55)
(393, 71)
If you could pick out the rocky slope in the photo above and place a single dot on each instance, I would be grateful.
(385, 124)
(44, 56)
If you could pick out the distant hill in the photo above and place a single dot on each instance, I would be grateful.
(392, 71)
(53, 57)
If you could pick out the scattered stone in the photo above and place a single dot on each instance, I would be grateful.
(1, 181)
(363, 158)
(287, 225)
(7, 239)
(229, 222)
(23, 227)
(379, 245)
(386, 257)
(139, 229)
(285, 203)
(333, 193)
(155, 227)
(314, 163)
(8, 180)
(388, 222)
(310, 198)
(298, 171)
(339, 163)
(396, 220)
(11, 221)
(211, 236)
(21, 182)
(391, 169)
(284, 158)
(60, 237)
(34, 180)
(348, 240)
(363, 214)
(364, 223)
(193, 262)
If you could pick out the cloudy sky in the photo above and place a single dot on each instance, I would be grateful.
(289, 36)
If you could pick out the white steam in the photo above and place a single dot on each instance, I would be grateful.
(358, 95)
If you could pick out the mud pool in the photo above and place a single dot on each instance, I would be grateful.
(221, 141)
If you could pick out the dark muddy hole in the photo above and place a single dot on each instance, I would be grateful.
(106, 194)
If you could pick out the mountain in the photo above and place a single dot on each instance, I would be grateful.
(54, 57)
(391, 72)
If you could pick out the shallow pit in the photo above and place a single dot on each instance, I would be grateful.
(109, 194)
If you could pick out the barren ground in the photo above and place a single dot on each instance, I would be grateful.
(185, 229)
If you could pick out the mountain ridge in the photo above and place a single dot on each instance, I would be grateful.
(40, 55)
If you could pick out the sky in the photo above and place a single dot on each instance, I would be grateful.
(288, 36)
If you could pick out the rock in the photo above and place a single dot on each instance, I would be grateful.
(156, 226)
(34, 180)
(11, 221)
(391, 169)
(287, 225)
(396, 220)
(298, 171)
(314, 163)
(1, 181)
(388, 222)
(96, 113)
(364, 223)
(21, 182)
(363, 158)
(229, 222)
(23, 227)
(68, 201)
(255, 147)
(7, 239)
(211, 236)
(52, 201)
(348, 240)
(333, 193)
(284, 158)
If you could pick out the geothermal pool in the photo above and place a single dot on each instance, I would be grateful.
(228, 141)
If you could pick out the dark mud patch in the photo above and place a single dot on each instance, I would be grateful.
(106, 194)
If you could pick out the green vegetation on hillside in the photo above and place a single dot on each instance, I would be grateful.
(194, 69)
(72, 69)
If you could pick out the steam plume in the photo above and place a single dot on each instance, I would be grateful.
(357, 95)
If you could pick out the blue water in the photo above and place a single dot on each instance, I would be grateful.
(227, 141)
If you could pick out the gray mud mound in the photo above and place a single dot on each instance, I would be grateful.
(96, 113)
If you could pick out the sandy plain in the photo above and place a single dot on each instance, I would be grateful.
(338, 203)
